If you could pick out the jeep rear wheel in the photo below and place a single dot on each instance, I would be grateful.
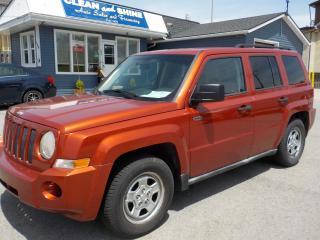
(138, 197)
(292, 144)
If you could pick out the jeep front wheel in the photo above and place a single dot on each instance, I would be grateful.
(138, 197)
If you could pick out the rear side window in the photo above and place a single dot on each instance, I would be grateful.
(227, 72)
(265, 72)
(294, 70)
(10, 71)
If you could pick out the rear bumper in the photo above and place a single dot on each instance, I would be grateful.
(82, 190)
(51, 92)
(312, 117)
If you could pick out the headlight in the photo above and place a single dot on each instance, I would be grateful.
(47, 145)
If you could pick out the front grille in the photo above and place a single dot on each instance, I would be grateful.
(19, 141)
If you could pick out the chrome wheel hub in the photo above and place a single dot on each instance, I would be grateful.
(144, 198)
(294, 142)
(33, 97)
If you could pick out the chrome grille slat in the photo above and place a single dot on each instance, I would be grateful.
(31, 145)
(9, 137)
(23, 143)
(16, 141)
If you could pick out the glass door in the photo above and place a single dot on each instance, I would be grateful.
(109, 56)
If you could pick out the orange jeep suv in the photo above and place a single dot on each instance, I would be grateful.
(160, 122)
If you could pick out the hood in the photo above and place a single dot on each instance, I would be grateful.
(74, 113)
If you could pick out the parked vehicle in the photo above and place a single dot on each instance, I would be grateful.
(160, 122)
(18, 85)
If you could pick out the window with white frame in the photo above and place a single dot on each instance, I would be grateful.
(5, 48)
(127, 47)
(28, 49)
(76, 52)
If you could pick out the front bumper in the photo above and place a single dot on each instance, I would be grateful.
(82, 189)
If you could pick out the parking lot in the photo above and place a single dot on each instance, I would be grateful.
(257, 201)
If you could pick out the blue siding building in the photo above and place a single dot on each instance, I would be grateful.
(72, 40)
(267, 30)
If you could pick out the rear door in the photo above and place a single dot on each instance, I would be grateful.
(269, 102)
(11, 81)
(221, 133)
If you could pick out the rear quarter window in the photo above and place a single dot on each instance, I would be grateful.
(294, 70)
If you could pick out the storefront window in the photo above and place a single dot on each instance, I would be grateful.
(77, 52)
(133, 47)
(28, 50)
(63, 51)
(78, 49)
(127, 47)
(93, 53)
(122, 49)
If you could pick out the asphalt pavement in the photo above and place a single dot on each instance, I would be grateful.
(257, 201)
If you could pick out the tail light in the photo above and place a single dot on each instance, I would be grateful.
(51, 80)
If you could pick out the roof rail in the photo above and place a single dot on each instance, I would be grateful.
(257, 45)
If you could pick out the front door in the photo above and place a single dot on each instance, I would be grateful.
(221, 133)
(109, 56)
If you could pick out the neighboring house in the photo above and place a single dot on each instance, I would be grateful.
(311, 54)
(271, 30)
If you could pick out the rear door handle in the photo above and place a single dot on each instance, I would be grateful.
(283, 100)
(245, 108)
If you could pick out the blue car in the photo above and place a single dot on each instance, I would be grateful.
(18, 85)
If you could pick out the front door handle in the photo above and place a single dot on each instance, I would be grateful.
(283, 100)
(245, 108)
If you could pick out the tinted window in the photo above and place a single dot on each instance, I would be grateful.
(266, 72)
(294, 70)
(11, 71)
(225, 71)
(156, 77)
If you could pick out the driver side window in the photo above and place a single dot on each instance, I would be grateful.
(227, 72)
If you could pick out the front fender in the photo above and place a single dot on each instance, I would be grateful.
(112, 147)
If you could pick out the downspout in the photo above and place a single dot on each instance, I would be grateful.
(153, 45)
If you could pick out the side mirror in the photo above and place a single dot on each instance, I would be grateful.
(208, 93)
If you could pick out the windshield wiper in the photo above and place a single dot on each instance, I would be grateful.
(123, 93)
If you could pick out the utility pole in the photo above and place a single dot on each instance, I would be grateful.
(211, 10)
(287, 11)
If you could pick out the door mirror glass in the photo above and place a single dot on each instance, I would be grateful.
(208, 93)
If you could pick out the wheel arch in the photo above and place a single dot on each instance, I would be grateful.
(164, 151)
(303, 116)
(27, 89)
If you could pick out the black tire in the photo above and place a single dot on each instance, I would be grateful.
(32, 95)
(116, 208)
(283, 157)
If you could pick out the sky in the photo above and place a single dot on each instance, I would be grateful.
(200, 10)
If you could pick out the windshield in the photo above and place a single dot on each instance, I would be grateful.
(149, 77)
